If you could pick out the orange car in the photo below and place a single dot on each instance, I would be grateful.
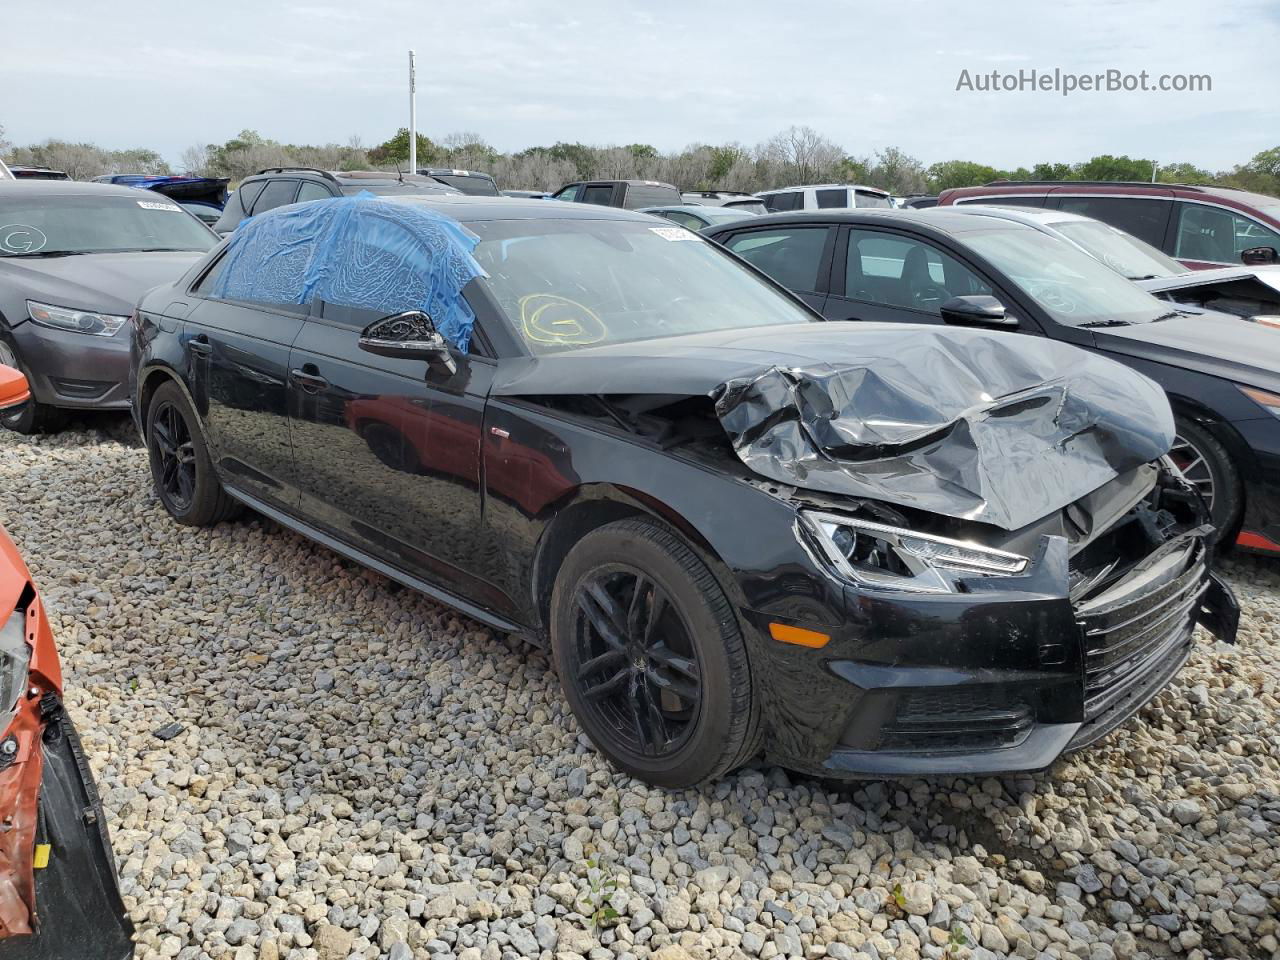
(58, 894)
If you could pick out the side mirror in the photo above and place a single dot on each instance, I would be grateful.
(977, 310)
(1259, 256)
(409, 336)
(14, 390)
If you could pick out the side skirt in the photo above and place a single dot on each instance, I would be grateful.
(488, 618)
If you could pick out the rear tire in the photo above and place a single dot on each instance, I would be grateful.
(181, 468)
(651, 657)
(33, 416)
(1207, 465)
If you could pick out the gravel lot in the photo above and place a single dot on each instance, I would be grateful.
(366, 774)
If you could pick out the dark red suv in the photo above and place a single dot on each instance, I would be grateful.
(1201, 226)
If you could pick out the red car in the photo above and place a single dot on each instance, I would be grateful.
(1201, 226)
(58, 894)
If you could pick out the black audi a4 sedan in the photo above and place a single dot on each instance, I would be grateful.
(855, 548)
(1222, 373)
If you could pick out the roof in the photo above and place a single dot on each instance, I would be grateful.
(941, 219)
(1034, 216)
(467, 207)
(1120, 186)
(65, 188)
(825, 186)
(700, 210)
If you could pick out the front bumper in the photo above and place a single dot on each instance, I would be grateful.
(78, 911)
(75, 370)
(1003, 678)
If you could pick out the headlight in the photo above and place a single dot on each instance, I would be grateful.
(1269, 400)
(15, 657)
(882, 556)
(79, 321)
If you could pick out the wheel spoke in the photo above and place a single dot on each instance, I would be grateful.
(679, 687)
(185, 485)
(164, 440)
(611, 685)
(603, 660)
(636, 610)
(603, 612)
(635, 693)
(664, 656)
(657, 722)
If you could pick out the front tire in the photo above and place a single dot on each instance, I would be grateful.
(181, 469)
(1205, 463)
(651, 657)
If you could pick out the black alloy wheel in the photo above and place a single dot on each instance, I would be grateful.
(176, 455)
(181, 469)
(634, 661)
(1206, 465)
(651, 656)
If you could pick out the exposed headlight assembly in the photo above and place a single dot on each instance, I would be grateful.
(77, 321)
(15, 659)
(893, 558)
(1261, 397)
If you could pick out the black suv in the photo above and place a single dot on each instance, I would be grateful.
(277, 186)
(629, 194)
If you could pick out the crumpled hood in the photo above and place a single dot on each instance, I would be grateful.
(996, 427)
(1268, 276)
(105, 282)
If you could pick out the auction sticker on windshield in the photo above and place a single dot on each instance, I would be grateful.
(152, 205)
(675, 233)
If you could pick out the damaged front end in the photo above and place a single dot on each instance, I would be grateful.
(59, 898)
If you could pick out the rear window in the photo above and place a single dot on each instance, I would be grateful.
(475, 186)
(787, 200)
(833, 199)
(868, 198)
(650, 195)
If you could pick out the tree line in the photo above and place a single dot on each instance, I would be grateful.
(797, 155)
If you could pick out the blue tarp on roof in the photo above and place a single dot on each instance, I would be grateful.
(356, 251)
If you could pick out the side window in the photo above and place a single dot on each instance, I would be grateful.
(205, 285)
(1146, 219)
(600, 194)
(791, 255)
(904, 272)
(248, 193)
(312, 191)
(569, 193)
(833, 199)
(869, 198)
(786, 200)
(1213, 233)
(275, 194)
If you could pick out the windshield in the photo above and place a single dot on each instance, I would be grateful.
(44, 225)
(475, 186)
(1071, 286)
(575, 283)
(1123, 253)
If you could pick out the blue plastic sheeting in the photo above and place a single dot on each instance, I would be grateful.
(356, 251)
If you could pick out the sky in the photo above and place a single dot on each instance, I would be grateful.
(665, 72)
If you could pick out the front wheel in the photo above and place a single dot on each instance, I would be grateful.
(1205, 464)
(180, 466)
(651, 657)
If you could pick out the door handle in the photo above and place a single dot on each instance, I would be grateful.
(200, 345)
(308, 382)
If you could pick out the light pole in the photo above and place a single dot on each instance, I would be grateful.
(412, 117)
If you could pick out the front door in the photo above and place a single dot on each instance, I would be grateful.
(388, 451)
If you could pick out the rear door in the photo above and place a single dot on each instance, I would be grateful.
(388, 451)
(239, 357)
(798, 257)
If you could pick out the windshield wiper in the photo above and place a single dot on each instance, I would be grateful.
(1109, 322)
(43, 254)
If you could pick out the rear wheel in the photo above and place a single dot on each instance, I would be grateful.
(32, 416)
(180, 466)
(651, 658)
(1205, 464)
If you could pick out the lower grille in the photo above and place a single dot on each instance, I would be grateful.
(1138, 627)
(956, 720)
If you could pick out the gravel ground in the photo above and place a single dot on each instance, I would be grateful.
(366, 774)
